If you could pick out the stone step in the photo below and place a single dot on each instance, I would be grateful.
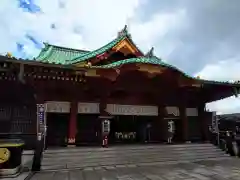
(112, 156)
(78, 151)
(132, 159)
(127, 163)
(126, 148)
(96, 155)
(132, 155)
(122, 154)
(152, 159)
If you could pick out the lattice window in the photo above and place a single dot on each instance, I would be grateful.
(5, 113)
(23, 120)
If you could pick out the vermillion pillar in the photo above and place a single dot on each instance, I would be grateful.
(72, 123)
(184, 123)
(162, 124)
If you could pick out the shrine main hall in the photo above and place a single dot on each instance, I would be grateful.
(67, 93)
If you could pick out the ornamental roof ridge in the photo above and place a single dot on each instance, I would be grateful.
(124, 32)
(64, 47)
(121, 35)
(150, 53)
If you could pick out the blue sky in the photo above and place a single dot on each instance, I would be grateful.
(200, 37)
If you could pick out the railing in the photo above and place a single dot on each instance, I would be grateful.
(225, 140)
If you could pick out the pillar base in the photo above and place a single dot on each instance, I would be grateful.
(71, 142)
(71, 145)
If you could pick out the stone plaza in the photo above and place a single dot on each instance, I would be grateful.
(201, 170)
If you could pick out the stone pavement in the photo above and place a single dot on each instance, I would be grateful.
(81, 157)
(201, 170)
(27, 158)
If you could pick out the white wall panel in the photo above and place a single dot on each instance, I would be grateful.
(192, 111)
(173, 110)
(57, 107)
(116, 109)
(88, 108)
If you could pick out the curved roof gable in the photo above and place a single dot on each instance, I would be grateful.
(123, 34)
(62, 55)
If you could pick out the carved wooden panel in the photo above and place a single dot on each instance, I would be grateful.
(23, 119)
(5, 113)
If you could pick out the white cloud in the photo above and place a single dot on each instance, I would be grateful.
(223, 71)
(98, 21)
(145, 33)
(225, 106)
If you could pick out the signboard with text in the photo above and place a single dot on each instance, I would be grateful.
(40, 118)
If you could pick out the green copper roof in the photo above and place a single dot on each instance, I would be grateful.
(122, 35)
(67, 56)
(98, 51)
(58, 55)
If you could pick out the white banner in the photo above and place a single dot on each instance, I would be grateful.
(88, 108)
(116, 109)
(192, 111)
(57, 107)
(173, 110)
(41, 118)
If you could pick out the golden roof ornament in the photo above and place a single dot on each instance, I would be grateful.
(198, 77)
(124, 32)
(9, 55)
(150, 53)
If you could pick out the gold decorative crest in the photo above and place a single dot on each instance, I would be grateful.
(4, 155)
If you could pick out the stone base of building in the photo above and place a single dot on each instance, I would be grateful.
(71, 145)
(71, 142)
